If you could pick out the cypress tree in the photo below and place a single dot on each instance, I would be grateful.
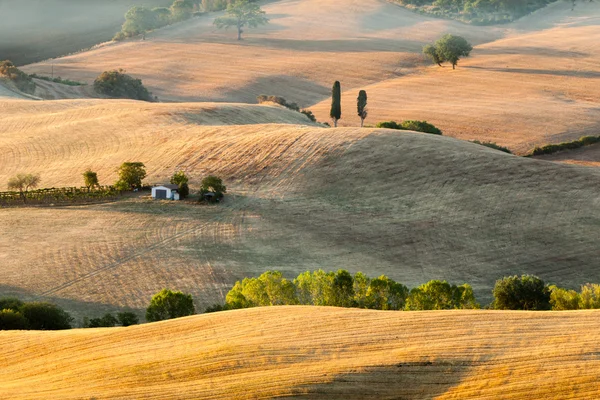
(336, 103)
(361, 103)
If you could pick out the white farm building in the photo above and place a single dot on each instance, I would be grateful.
(165, 192)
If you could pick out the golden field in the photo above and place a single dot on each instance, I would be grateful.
(313, 353)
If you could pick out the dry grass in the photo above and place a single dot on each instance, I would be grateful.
(313, 353)
(528, 83)
(413, 206)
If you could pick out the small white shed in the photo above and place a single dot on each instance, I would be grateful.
(165, 192)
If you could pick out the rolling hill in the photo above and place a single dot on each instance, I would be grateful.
(413, 206)
(313, 353)
(528, 83)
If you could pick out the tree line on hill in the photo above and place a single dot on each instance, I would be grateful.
(479, 12)
(319, 288)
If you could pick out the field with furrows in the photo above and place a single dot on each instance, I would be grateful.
(413, 206)
(313, 353)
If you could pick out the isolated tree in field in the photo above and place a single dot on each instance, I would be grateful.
(336, 103)
(90, 179)
(450, 49)
(180, 179)
(241, 13)
(131, 175)
(168, 304)
(525, 292)
(23, 182)
(361, 104)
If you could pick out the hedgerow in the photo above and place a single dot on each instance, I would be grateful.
(554, 148)
(411, 125)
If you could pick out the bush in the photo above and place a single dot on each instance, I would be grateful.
(310, 115)
(21, 80)
(554, 148)
(57, 80)
(127, 318)
(181, 10)
(168, 304)
(12, 320)
(419, 126)
(526, 292)
(117, 84)
(277, 100)
(493, 146)
(45, 316)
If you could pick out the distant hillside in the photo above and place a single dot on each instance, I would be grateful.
(35, 30)
(313, 353)
(480, 12)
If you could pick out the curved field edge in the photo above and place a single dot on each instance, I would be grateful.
(313, 352)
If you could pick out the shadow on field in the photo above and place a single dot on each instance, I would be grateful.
(77, 309)
(579, 74)
(531, 50)
(410, 380)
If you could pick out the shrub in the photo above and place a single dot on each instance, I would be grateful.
(21, 80)
(563, 299)
(12, 320)
(493, 146)
(90, 179)
(410, 125)
(127, 318)
(46, 316)
(526, 292)
(310, 115)
(554, 148)
(277, 100)
(117, 84)
(168, 304)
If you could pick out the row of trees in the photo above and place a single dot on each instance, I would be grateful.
(336, 104)
(341, 289)
(18, 315)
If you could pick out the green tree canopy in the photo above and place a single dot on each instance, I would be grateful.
(242, 13)
(440, 295)
(213, 184)
(131, 175)
(127, 318)
(386, 294)
(168, 304)
(12, 320)
(449, 48)
(361, 104)
(180, 179)
(90, 179)
(336, 103)
(526, 292)
(46, 316)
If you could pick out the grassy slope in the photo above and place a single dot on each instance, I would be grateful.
(528, 83)
(413, 206)
(313, 353)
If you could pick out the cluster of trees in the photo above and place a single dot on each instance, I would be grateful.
(480, 11)
(108, 320)
(117, 84)
(18, 315)
(239, 14)
(449, 48)
(336, 104)
(341, 289)
(410, 125)
(283, 102)
(20, 79)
